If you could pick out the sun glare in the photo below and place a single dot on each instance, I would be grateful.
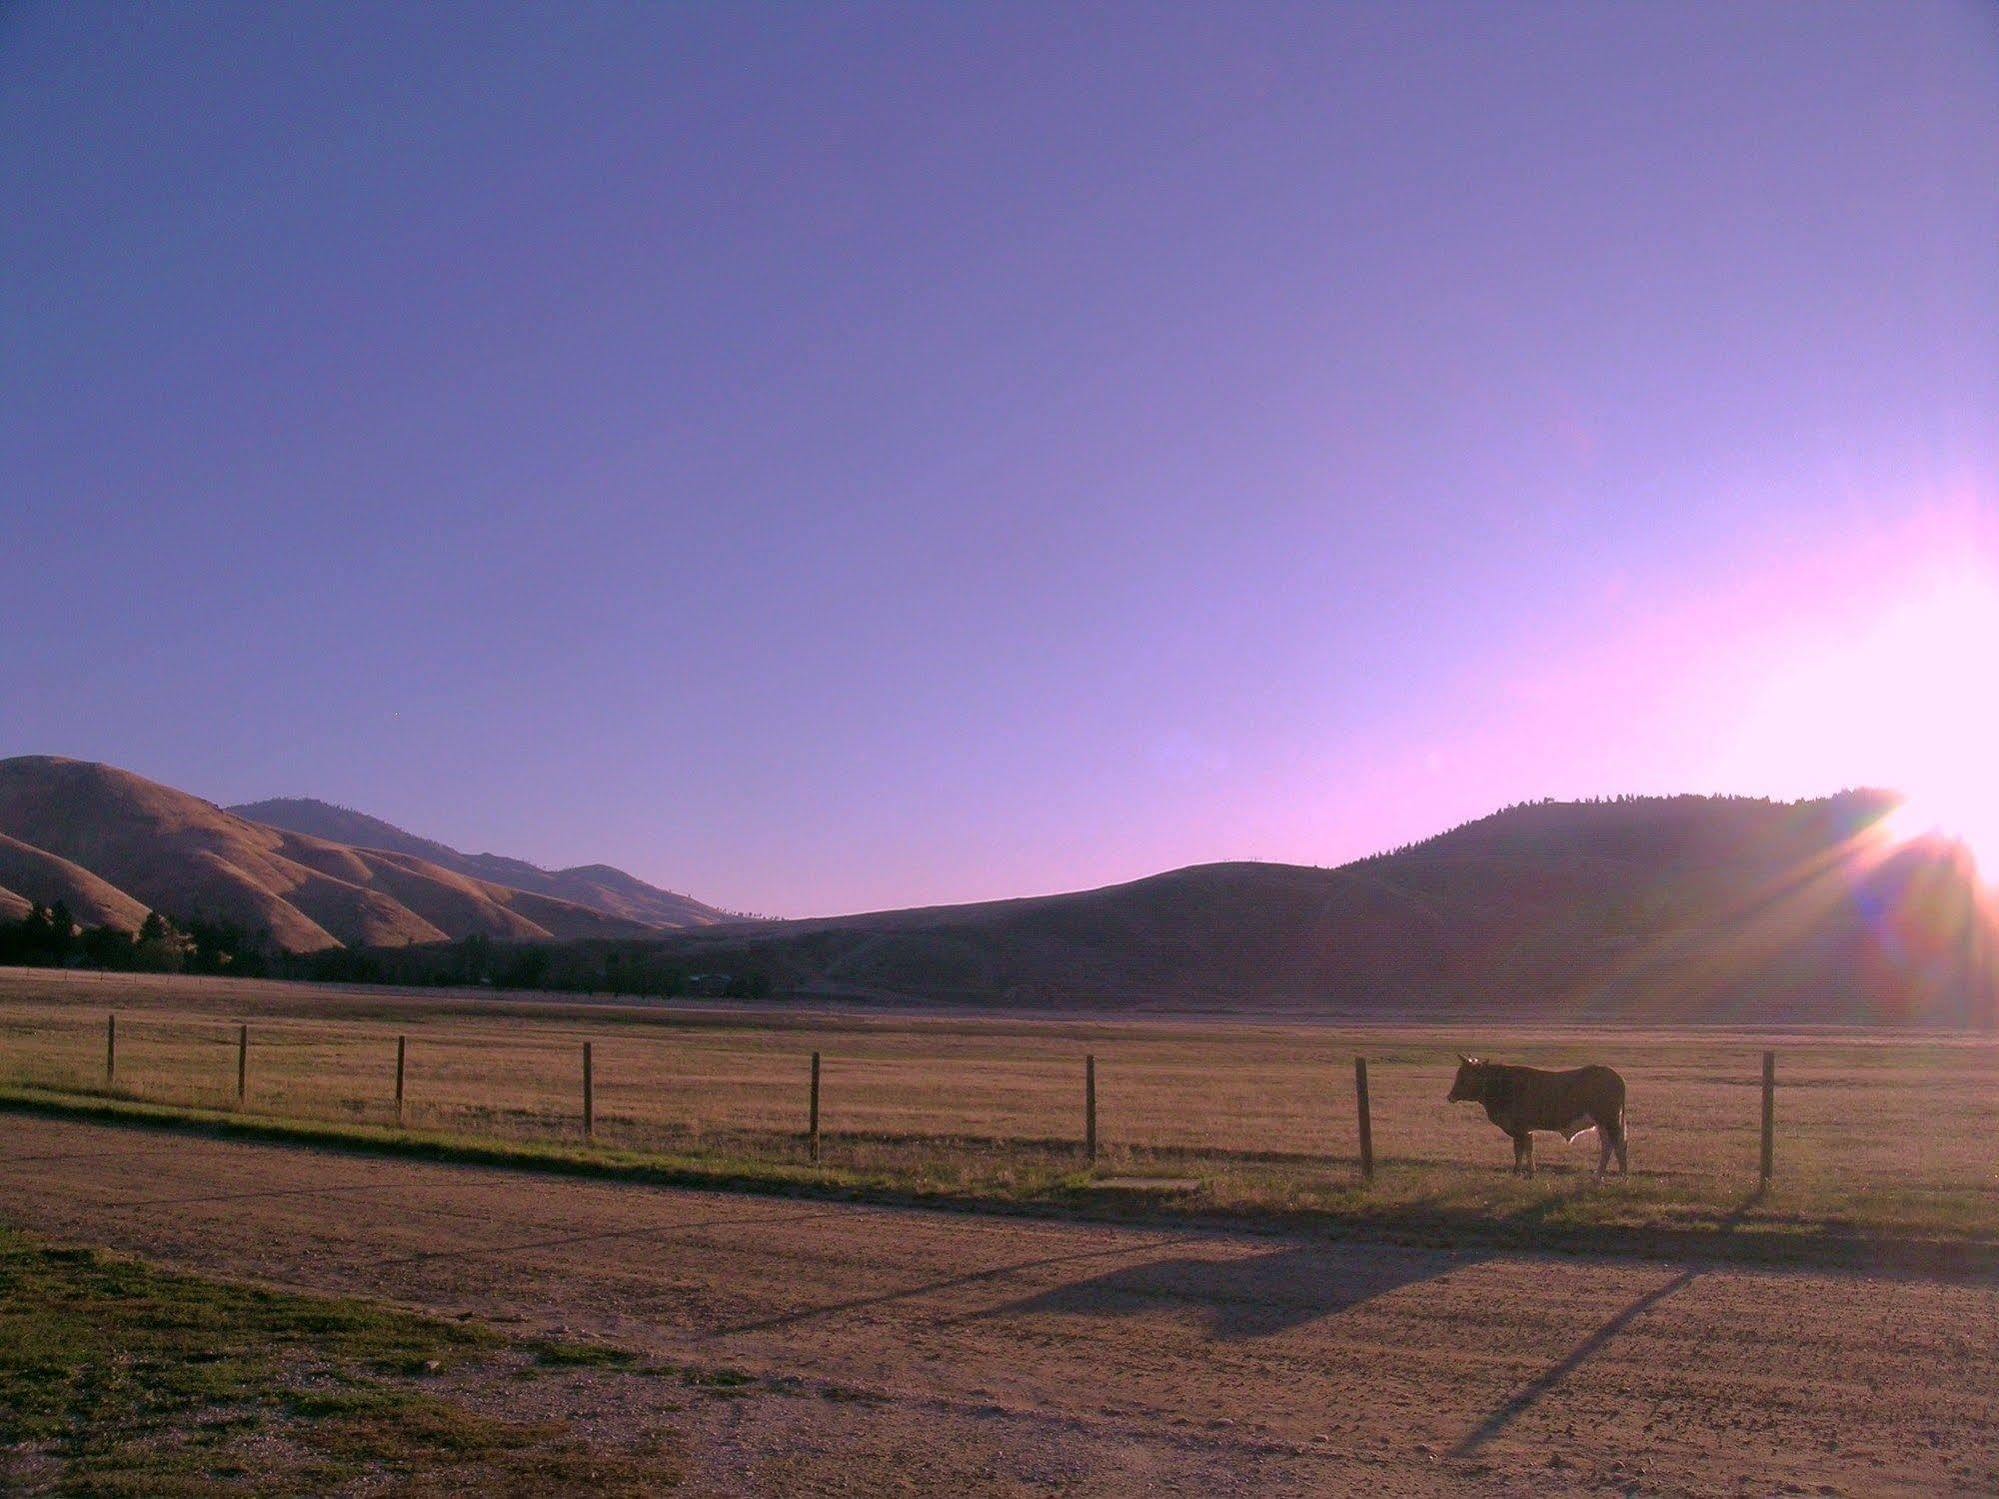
(1975, 827)
(1930, 719)
(1903, 698)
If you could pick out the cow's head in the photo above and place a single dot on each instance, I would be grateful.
(1469, 1086)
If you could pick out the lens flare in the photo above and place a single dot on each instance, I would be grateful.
(1905, 699)
(1970, 823)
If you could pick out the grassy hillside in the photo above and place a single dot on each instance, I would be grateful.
(1663, 907)
(91, 900)
(598, 887)
(121, 845)
(1684, 907)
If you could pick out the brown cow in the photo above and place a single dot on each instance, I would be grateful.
(1521, 1100)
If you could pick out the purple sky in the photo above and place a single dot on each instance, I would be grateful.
(829, 457)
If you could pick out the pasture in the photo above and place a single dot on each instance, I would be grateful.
(1877, 1132)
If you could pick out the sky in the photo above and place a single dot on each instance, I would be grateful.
(832, 457)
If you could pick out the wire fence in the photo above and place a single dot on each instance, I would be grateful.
(1915, 1117)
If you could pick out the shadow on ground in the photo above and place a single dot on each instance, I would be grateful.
(1548, 1380)
(1243, 1296)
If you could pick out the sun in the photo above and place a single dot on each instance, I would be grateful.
(1969, 820)
(1929, 714)
(1904, 696)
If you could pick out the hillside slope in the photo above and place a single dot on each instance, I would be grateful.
(1681, 907)
(155, 848)
(597, 886)
(91, 901)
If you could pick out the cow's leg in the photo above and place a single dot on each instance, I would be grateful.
(1604, 1135)
(1516, 1155)
(1523, 1152)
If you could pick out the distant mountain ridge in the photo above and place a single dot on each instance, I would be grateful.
(1734, 909)
(113, 845)
(1683, 908)
(596, 886)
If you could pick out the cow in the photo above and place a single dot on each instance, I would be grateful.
(1521, 1100)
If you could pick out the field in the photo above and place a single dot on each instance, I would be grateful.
(1257, 1318)
(1878, 1133)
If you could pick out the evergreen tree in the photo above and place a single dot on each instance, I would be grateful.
(62, 933)
(106, 947)
(160, 948)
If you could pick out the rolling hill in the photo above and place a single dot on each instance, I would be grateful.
(115, 845)
(1680, 907)
(597, 886)
(91, 901)
(1717, 908)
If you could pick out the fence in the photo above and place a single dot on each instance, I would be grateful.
(1249, 1100)
(1363, 1111)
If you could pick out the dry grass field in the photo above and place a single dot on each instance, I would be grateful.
(1878, 1132)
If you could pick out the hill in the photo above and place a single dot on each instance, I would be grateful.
(597, 886)
(115, 845)
(1674, 907)
(1683, 908)
(91, 901)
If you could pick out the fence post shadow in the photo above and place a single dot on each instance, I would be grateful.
(1544, 1383)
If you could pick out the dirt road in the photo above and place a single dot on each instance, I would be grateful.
(904, 1351)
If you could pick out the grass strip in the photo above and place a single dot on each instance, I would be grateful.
(117, 1378)
(1559, 1215)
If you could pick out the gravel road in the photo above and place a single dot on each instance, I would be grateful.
(928, 1352)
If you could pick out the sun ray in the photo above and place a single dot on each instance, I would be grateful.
(1900, 698)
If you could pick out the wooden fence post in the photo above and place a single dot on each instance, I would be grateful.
(1769, 1115)
(1366, 1121)
(110, 1048)
(242, 1064)
(589, 1097)
(402, 1051)
(812, 1123)
(1090, 1108)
